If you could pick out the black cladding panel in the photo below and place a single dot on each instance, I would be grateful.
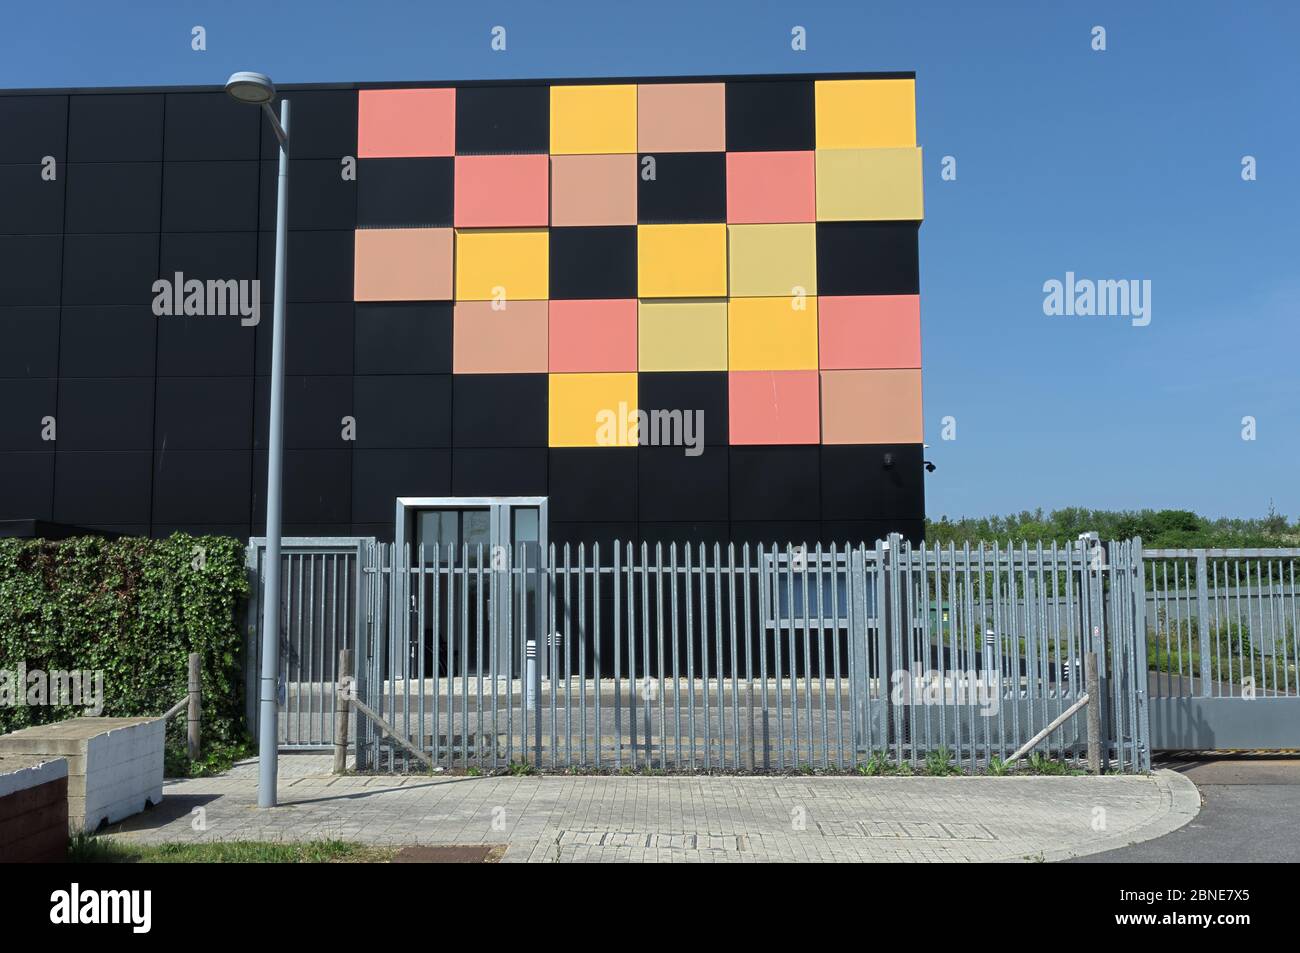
(403, 337)
(593, 262)
(411, 193)
(319, 195)
(867, 258)
(29, 203)
(31, 342)
(109, 269)
(34, 127)
(208, 126)
(767, 116)
(685, 187)
(108, 341)
(503, 119)
(126, 127)
(209, 197)
(778, 483)
(29, 269)
(499, 410)
(593, 483)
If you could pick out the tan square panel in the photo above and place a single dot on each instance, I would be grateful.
(878, 406)
(681, 117)
(403, 264)
(593, 190)
(510, 341)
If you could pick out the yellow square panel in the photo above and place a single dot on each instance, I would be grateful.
(772, 334)
(492, 263)
(869, 184)
(682, 261)
(866, 113)
(682, 335)
(593, 120)
(593, 410)
(773, 259)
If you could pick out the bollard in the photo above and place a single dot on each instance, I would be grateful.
(196, 708)
(342, 710)
(530, 673)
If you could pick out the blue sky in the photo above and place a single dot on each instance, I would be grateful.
(1117, 164)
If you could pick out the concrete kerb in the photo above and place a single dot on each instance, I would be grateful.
(1180, 803)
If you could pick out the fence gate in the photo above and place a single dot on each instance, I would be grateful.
(1221, 629)
(322, 609)
(740, 658)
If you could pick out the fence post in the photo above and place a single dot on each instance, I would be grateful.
(1091, 686)
(342, 710)
(196, 707)
(1142, 680)
(1203, 619)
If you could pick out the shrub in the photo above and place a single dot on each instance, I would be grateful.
(132, 609)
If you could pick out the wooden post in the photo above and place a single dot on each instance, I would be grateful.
(196, 707)
(342, 710)
(1090, 679)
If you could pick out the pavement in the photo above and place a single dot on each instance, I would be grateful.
(683, 818)
(1249, 808)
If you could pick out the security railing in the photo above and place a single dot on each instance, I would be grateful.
(747, 659)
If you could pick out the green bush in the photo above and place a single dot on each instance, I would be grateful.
(133, 609)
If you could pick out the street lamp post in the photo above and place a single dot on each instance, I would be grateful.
(256, 89)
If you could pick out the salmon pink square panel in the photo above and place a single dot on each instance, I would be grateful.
(502, 191)
(396, 123)
(773, 407)
(766, 188)
(869, 331)
(593, 336)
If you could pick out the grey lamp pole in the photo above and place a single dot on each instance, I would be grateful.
(257, 89)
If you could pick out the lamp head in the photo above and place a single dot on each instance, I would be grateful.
(254, 88)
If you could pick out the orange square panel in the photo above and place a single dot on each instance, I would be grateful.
(502, 191)
(765, 188)
(882, 406)
(773, 407)
(869, 331)
(395, 123)
(403, 264)
(593, 336)
(593, 190)
(509, 341)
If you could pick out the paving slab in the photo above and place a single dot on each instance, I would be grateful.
(695, 818)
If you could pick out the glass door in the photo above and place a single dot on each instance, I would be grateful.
(459, 602)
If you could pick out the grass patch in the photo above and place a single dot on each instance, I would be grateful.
(214, 759)
(88, 849)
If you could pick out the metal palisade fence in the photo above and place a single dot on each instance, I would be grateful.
(747, 658)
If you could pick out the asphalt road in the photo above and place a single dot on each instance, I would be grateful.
(1250, 806)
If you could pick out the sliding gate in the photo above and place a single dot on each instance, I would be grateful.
(1222, 631)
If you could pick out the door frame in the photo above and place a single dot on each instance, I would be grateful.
(500, 534)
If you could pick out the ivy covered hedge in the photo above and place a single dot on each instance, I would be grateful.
(134, 609)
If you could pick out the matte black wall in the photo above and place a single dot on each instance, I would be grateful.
(161, 422)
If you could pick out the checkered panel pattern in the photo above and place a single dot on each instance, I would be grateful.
(764, 230)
